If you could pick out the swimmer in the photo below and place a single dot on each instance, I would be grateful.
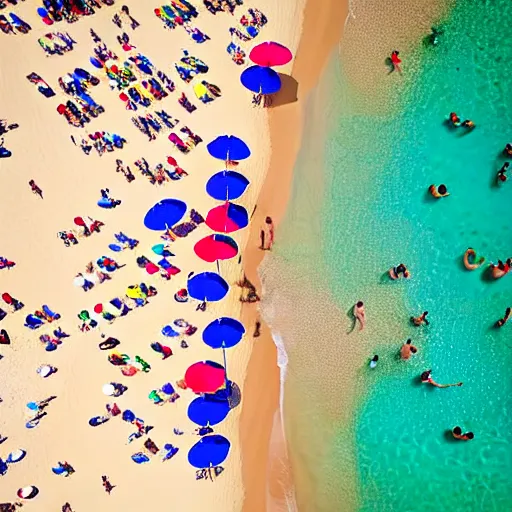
(373, 361)
(360, 314)
(394, 272)
(501, 176)
(407, 350)
(502, 321)
(469, 124)
(508, 150)
(501, 268)
(426, 378)
(396, 61)
(455, 119)
(457, 434)
(471, 261)
(420, 320)
(438, 192)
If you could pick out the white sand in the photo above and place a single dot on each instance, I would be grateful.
(71, 183)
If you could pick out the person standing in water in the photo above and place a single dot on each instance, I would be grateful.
(407, 350)
(426, 378)
(420, 320)
(360, 314)
(373, 361)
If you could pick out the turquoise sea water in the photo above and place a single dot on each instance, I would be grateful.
(375, 213)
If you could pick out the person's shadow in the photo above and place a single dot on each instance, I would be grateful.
(352, 317)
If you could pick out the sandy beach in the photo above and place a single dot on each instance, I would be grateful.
(45, 268)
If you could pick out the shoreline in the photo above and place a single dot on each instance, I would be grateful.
(310, 61)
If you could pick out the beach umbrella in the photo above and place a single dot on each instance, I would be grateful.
(207, 286)
(228, 147)
(209, 451)
(3, 467)
(98, 420)
(225, 332)
(260, 80)
(205, 377)
(216, 247)
(208, 411)
(270, 53)
(227, 218)
(15, 456)
(165, 214)
(227, 185)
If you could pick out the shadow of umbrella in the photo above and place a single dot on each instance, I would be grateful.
(288, 92)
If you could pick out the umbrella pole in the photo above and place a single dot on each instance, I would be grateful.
(225, 364)
(218, 267)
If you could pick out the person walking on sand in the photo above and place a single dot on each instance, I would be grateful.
(35, 189)
(267, 235)
(106, 484)
(396, 61)
(426, 378)
(360, 314)
(407, 350)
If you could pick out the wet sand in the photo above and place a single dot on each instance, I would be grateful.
(267, 476)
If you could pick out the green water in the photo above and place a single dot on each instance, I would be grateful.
(375, 213)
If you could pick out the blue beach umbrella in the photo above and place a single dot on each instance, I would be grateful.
(165, 214)
(95, 62)
(225, 332)
(203, 411)
(209, 451)
(227, 185)
(207, 286)
(261, 80)
(228, 147)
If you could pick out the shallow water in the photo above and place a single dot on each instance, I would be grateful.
(368, 212)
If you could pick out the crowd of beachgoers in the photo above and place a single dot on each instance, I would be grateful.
(470, 259)
(142, 88)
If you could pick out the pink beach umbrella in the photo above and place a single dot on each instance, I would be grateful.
(270, 54)
(216, 247)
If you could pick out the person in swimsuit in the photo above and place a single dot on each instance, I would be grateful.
(373, 361)
(457, 434)
(360, 314)
(426, 378)
(455, 119)
(420, 320)
(396, 61)
(501, 176)
(438, 192)
(470, 125)
(407, 350)
(502, 321)
(399, 271)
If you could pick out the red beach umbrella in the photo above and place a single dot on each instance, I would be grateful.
(270, 54)
(227, 217)
(205, 377)
(216, 247)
